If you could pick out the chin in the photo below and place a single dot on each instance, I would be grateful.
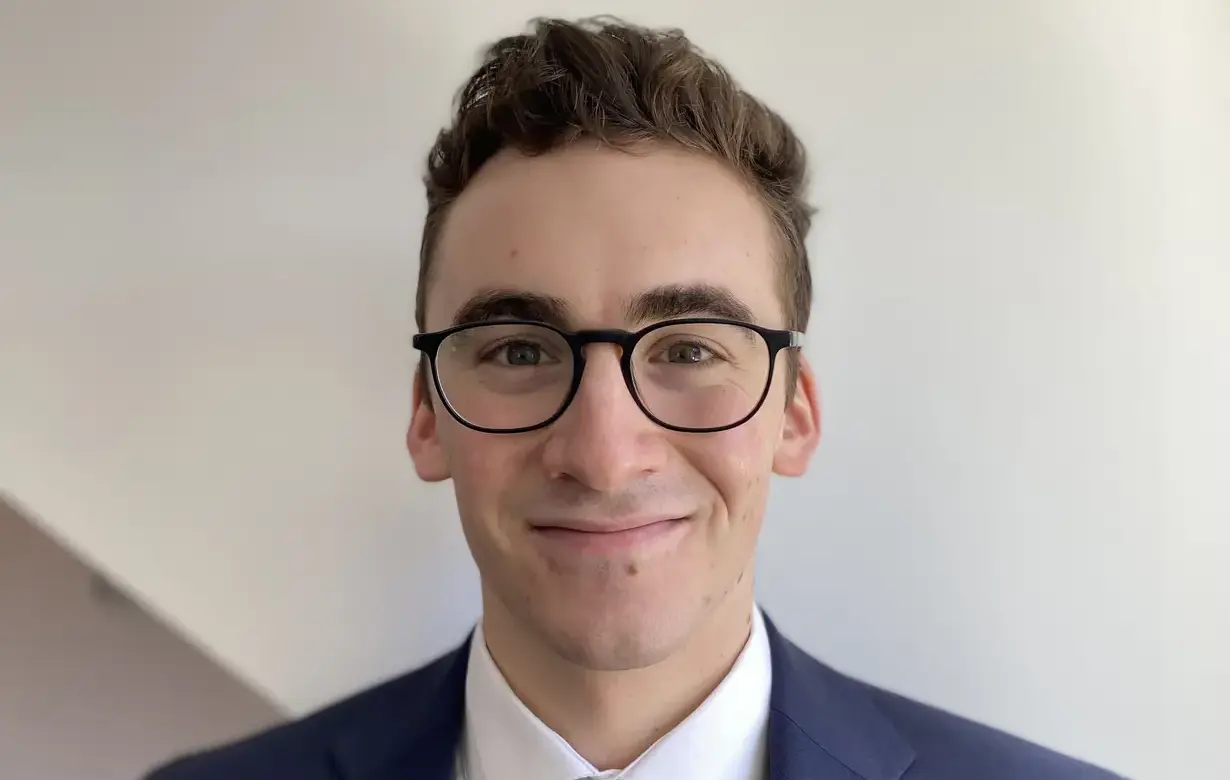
(617, 634)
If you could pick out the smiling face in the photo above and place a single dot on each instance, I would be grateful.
(591, 238)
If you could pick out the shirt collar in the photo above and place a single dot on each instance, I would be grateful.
(723, 739)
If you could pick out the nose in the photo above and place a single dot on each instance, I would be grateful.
(603, 440)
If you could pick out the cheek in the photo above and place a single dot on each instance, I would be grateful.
(482, 467)
(738, 463)
(484, 471)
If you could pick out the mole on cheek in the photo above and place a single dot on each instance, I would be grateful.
(632, 570)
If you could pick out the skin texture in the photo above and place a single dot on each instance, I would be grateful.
(612, 647)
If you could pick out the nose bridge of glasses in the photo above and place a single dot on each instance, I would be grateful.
(621, 340)
(597, 372)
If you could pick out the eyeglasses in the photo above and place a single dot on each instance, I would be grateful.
(695, 375)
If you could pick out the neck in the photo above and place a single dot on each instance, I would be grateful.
(611, 717)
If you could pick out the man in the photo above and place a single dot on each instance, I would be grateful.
(612, 295)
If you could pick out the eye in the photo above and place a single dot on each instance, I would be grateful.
(686, 352)
(518, 353)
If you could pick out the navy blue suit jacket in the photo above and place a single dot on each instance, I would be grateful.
(822, 726)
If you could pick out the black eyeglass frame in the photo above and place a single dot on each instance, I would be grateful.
(775, 340)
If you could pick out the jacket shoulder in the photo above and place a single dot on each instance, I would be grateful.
(950, 746)
(303, 748)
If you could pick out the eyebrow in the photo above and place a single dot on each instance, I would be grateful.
(688, 300)
(659, 303)
(514, 304)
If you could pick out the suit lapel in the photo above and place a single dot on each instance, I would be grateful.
(414, 731)
(824, 726)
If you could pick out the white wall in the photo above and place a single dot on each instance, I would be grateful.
(208, 227)
(90, 686)
(1196, 378)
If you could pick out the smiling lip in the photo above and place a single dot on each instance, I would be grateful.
(631, 534)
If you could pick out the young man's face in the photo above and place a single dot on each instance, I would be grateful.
(597, 231)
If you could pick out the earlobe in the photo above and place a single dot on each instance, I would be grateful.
(422, 439)
(800, 425)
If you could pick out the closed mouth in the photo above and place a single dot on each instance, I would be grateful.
(630, 524)
(610, 539)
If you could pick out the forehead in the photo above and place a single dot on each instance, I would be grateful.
(596, 227)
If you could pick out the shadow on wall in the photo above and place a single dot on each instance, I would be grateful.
(91, 686)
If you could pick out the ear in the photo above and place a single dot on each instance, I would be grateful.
(800, 425)
(422, 437)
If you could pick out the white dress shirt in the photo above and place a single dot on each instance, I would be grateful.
(725, 738)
